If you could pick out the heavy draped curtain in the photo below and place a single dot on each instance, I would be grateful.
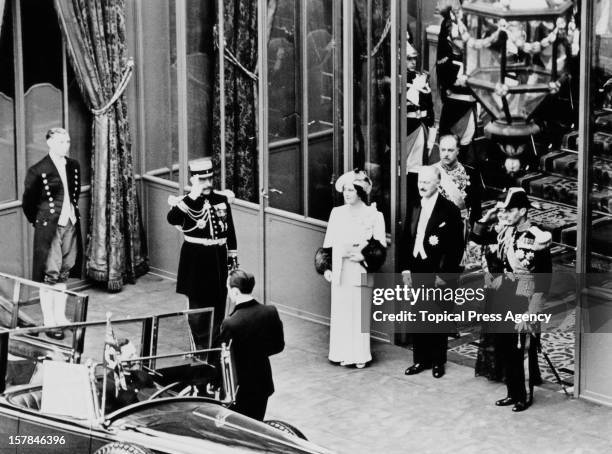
(241, 131)
(94, 31)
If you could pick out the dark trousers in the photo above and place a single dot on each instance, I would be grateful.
(200, 323)
(513, 361)
(251, 405)
(429, 349)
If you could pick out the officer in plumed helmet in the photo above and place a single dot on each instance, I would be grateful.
(523, 254)
(204, 216)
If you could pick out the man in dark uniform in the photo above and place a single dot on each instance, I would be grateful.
(460, 183)
(255, 332)
(431, 247)
(420, 119)
(205, 218)
(50, 203)
(458, 114)
(523, 251)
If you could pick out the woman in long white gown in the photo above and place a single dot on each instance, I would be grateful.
(348, 231)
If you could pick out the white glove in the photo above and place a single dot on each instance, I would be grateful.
(461, 80)
(328, 275)
(173, 200)
(407, 278)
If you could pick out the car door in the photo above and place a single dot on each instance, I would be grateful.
(41, 433)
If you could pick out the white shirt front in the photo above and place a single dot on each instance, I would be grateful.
(427, 206)
(67, 212)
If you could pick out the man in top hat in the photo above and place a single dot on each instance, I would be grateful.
(458, 114)
(205, 218)
(430, 251)
(50, 203)
(523, 251)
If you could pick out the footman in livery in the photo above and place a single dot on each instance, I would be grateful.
(50, 203)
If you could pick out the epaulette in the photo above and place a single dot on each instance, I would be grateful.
(541, 238)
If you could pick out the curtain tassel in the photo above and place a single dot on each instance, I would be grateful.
(127, 75)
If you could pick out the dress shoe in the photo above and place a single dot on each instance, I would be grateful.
(360, 365)
(438, 371)
(520, 406)
(504, 402)
(57, 334)
(416, 369)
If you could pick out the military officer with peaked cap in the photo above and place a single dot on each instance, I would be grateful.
(523, 251)
(50, 203)
(205, 219)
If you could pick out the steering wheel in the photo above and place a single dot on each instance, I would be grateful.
(189, 390)
(159, 392)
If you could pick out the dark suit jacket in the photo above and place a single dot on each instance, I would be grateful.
(43, 196)
(256, 332)
(443, 242)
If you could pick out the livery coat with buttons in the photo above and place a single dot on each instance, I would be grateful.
(43, 197)
(202, 270)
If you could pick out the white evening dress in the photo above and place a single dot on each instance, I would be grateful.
(349, 341)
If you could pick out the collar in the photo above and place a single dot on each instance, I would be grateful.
(57, 159)
(448, 168)
(243, 298)
(245, 304)
(431, 201)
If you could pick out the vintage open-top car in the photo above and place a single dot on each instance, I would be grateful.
(56, 398)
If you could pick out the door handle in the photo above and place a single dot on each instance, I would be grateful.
(266, 195)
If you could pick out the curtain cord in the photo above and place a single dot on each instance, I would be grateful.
(127, 75)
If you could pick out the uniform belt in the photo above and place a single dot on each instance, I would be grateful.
(417, 114)
(205, 241)
(525, 283)
(461, 97)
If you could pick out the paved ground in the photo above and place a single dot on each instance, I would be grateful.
(378, 409)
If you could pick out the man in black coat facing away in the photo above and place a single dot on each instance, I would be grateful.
(256, 332)
(432, 245)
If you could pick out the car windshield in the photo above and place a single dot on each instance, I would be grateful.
(130, 359)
